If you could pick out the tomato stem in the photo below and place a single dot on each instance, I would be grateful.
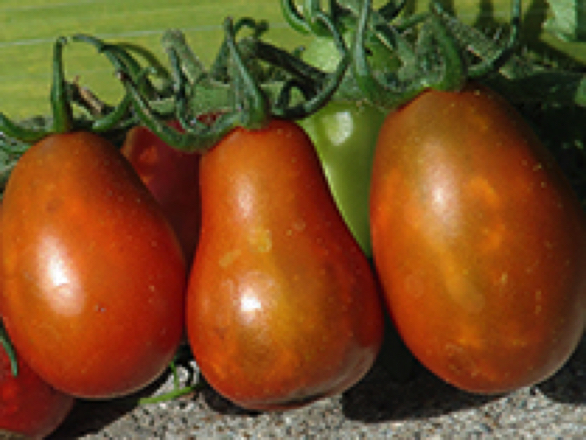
(113, 118)
(453, 75)
(12, 130)
(248, 95)
(313, 17)
(9, 349)
(436, 62)
(174, 40)
(219, 68)
(392, 93)
(60, 103)
(328, 85)
(122, 59)
(294, 18)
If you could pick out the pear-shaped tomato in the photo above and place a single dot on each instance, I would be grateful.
(95, 277)
(282, 305)
(479, 241)
(172, 176)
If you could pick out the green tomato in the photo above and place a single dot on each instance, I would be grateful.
(346, 129)
(344, 134)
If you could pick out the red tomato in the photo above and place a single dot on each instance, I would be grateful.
(172, 177)
(28, 405)
(479, 241)
(282, 305)
(94, 275)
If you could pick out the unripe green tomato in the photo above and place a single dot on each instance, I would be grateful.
(345, 134)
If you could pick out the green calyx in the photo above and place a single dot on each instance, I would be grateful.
(392, 58)
(62, 119)
(430, 50)
(239, 88)
(436, 60)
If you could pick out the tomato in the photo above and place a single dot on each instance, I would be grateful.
(95, 278)
(479, 241)
(344, 134)
(28, 405)
(345, 131)
(282, 306)
(172, 177)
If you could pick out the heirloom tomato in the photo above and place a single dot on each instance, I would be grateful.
(479, 241)
(282, 305)
(344, 134)
(172, 177)
(95, 278)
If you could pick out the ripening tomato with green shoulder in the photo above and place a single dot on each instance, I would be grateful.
(344, 134)
(172, 176)
(479, 241)
(282, 305)
(94, 275)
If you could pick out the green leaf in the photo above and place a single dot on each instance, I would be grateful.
(568, 22)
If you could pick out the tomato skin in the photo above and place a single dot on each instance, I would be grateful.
(172, 176)
(282, 306)
(344, 134)
(478, 240)
(28, 405)
(94, 275)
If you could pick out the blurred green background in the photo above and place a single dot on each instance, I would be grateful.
(28, 29)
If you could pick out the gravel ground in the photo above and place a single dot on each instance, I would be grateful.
(378, 407)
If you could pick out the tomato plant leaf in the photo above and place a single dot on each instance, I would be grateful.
(568, 22)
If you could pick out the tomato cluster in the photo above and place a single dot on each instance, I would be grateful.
(276, 252)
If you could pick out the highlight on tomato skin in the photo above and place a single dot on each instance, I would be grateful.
(95, 277)
(479, 241)
(282, 305)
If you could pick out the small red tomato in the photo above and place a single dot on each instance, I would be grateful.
(28, 405)
(282, 307)
(95, 278)
(172, 177)
(479, 241)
